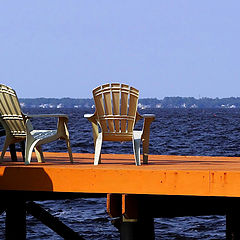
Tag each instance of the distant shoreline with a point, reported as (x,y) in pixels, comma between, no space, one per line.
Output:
(143,103)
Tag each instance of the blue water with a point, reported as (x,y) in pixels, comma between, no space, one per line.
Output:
(209,132)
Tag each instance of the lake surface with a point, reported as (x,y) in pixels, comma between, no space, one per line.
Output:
(197,132)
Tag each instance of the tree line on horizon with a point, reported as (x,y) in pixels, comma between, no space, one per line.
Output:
(167,102)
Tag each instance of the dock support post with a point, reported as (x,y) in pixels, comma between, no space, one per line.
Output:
(15,227)
(137,229)
(131,220)
(136,222)
(233,223)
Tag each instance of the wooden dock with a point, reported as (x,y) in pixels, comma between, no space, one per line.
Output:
(167,186)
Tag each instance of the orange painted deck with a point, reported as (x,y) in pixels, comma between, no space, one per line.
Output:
(164,175)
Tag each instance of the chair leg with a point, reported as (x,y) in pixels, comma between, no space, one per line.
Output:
(22,145)
(11,144)
(30,144)
(136,150)
(13,153)
(39,154)
(67,139)
(69,149)
(98,147)
(4,150)
(5,146)
(145,150)
(145,138)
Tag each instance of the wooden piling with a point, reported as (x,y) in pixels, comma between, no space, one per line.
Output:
(137,229)
(233,222)
(132,222)
(15,225)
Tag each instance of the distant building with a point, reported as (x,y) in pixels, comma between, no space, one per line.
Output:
(194,106)
(59,105)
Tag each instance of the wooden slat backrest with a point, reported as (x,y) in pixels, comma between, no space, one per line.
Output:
(116,107)
(133,102)
(106,89)
(124,105)
(10,111)
(116,104)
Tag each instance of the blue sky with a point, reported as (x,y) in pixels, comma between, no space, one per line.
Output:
(56,48)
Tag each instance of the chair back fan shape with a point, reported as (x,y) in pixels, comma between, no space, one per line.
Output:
(10,110)
(116,107)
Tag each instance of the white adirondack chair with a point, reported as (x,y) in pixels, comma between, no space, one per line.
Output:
(116,114)
(18,127)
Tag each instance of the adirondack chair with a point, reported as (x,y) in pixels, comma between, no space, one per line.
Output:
(116,114)
(18,127)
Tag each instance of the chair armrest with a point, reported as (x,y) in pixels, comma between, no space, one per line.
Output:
(62,120)
(91,117)
(148,119)
(88,115)
(148,116)
(46,115)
